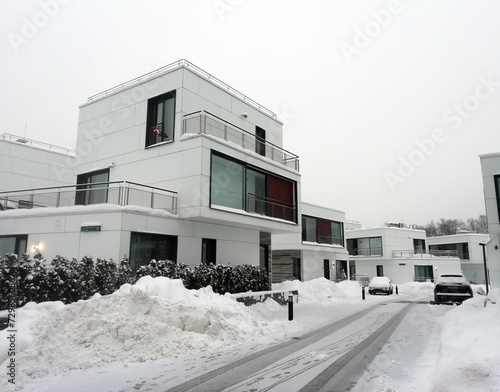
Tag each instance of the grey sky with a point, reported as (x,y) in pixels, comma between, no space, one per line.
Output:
(387,103)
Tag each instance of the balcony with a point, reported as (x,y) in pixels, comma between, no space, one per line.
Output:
(39,145)
(423,253)
(122,193)
(203,122)
(272,208)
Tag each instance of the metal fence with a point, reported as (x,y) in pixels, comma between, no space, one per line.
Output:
(121,193)
(209,124)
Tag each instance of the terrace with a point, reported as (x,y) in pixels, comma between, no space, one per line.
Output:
(122,193)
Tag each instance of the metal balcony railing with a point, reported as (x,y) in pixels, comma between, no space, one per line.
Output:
(34,143)
(268,207)
(366,252)
(207,123)
(122,193)
(197,70)
(424,253)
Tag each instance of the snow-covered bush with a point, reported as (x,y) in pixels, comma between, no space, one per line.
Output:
(23,279)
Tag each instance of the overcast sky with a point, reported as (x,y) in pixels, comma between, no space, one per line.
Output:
(387,103)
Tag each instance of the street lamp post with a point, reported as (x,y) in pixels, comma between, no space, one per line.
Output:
(485,266)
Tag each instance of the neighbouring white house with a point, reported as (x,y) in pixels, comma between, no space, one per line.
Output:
(466,246)
(490,168)
(318,251)
(397,252)
(26,163)
(174,164)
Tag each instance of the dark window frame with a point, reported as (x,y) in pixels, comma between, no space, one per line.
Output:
(260,141)
(321,239)
(496,178)
(266,199)
(172,250)
(156,132)
(19,238)
(84,190)
(208,251)
(352,246)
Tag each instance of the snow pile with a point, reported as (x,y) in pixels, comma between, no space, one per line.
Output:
(156,318)
(469,356)
(417,287)
(320,289)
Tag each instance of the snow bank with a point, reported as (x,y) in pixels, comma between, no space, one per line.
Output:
(469,356)
(417,287)
(320,289)
(155,318)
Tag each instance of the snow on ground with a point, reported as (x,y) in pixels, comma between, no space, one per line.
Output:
(158,330)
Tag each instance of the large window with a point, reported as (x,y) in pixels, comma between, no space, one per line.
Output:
(161,119)
(88,191)
(424,273)
(460,250)
(145,247)
(13,244)
(237,185)
(322,231)
(368,246)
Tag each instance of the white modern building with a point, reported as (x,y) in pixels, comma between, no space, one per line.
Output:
(466,246)
(318,251)
(172,165)
(397,252)
(490,167)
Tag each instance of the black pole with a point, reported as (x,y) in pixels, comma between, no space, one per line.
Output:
(362,291)
(485,267)
(290,307)
(397,290)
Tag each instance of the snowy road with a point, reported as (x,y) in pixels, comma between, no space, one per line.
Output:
(332,358)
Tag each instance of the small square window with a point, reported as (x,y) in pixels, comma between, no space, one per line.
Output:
(161,119)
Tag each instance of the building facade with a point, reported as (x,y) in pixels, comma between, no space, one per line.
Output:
(466,246)
(490,168)
(397,252)
(172,165)
(317,251)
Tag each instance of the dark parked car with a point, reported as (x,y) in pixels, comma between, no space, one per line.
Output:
(380,284)
(451,288)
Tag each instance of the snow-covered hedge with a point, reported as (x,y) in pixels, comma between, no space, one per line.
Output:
(24,280)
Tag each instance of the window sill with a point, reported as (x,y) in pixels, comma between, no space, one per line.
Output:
(159,144)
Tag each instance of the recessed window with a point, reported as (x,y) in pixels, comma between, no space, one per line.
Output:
(161,119)
(322,231)
(236,185)
(208,251)
(92,188)
(145,247)
(13,244)
(368,246)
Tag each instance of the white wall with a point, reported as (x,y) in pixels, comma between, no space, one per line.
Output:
(490,166)
(24,166)
(58,232)
(402,270)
